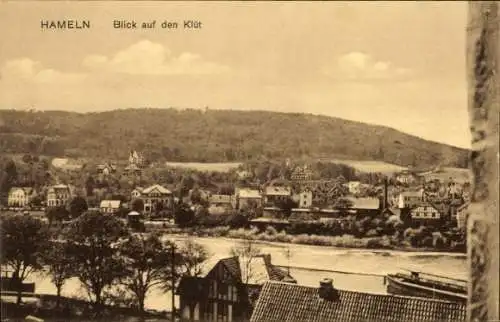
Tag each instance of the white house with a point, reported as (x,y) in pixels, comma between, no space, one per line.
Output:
(275,194)
(58,195)
(425,211)
(410,199)
(246,197)
(155,197)
(304,199)
(110,206)
(136,193)
(19,196)
(354,187)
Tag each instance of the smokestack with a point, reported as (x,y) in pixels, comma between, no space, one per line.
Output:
(327,291)
(385,194)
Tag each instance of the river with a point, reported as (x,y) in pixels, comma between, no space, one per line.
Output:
(366,268)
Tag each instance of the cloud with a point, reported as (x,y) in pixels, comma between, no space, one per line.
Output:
(29,70)
(358,66)
(149,58)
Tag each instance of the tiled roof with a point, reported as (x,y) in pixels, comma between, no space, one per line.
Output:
(291,302)
(233,266)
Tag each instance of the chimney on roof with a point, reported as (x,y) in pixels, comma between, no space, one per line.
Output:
(327,291)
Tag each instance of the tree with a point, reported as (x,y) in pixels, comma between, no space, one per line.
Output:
(92,241)
(10,175)
(58,265)
(27,158)
(287,205)
(288,253)
(183,215)
(147,262)
(23,239)
(77,206)
(192,255)
(90,185)
(246,251)
(138,205)
(57,214)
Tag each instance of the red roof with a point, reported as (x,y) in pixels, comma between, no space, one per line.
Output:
(291,302)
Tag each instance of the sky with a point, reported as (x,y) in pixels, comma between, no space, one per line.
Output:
(398,64)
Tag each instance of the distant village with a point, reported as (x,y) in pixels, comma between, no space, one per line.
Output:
(295,194)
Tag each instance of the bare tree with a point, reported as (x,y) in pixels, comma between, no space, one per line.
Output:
(146,262)
(22,240)
(192,257)
(246,251)
(58,265)
(288,253)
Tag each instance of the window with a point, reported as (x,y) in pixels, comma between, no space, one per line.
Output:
(223,290)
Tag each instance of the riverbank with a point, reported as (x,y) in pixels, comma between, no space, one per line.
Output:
(378,243)
(45,306)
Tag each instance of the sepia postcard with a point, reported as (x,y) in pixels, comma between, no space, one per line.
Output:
(248,161)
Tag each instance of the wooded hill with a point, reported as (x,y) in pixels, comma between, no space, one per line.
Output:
(215,136)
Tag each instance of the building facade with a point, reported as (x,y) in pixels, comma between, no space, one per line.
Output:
(274,195)
(155,198)
(110,207)
(58,195)
(425,212)
(248,197)
(410,199)
(19,196)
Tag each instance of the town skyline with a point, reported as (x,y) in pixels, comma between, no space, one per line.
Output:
(370,71)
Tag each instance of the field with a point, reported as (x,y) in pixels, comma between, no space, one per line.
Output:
(216,167)
(459,175)
(371,166)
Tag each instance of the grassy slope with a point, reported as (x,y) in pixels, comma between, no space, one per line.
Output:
(215,136)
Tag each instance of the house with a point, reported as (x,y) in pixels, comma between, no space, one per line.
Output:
(136,193)
(110,207)
(462,214)
(106,168)
(229,290)
(354,187)
(286,302)
(136,159)
(244,174)
(301,174)
(364,206)
(155,198)
(220,204)
(275,194)
(19,196)
(406,178)
(248,197)
(409,199)
(58,195)
(425,212)
(304,199)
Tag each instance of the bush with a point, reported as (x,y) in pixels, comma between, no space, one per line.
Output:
(270,230)
(236,220)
